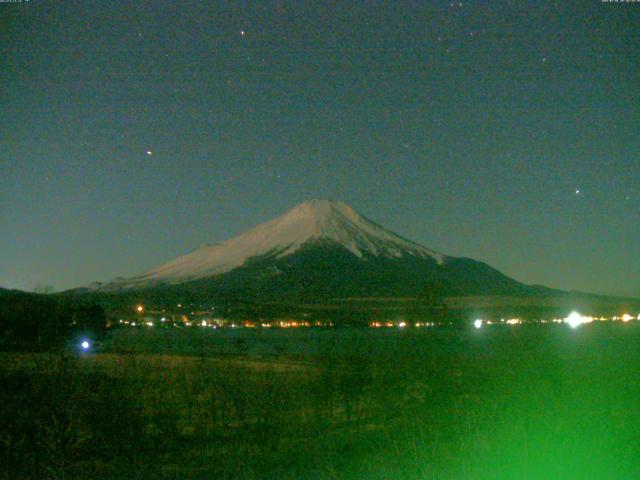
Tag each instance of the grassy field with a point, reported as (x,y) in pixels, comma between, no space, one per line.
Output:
(504,402)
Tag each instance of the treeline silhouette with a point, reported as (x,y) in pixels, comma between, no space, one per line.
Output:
(37,322)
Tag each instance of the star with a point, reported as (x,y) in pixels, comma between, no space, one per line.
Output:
(578,191)
(149,152)
(242,33)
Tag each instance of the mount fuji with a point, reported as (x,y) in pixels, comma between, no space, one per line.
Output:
(319,249)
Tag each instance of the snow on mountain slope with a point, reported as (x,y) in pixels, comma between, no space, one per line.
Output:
(308,222)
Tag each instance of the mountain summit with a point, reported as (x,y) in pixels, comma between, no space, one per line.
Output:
(314,221)
(324,248)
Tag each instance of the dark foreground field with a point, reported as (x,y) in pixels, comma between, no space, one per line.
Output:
(503,402)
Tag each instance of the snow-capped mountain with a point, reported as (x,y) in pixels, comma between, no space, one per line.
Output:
(311,221)
(320,247)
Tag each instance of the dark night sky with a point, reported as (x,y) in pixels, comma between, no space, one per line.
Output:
(468,127)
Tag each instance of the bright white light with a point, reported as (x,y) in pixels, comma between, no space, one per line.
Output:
(626,317)
(477,323)
(402,324)
(203,323)
(574,320)
(85,345)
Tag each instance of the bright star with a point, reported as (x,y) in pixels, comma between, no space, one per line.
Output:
(149,152)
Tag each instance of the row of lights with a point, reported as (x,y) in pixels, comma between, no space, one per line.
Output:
(574,320)
(401,324)
(478,323)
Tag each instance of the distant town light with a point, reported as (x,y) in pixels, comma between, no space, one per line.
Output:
(139,309)
(85,345)
(626,317)
(402,324)
(477,323)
